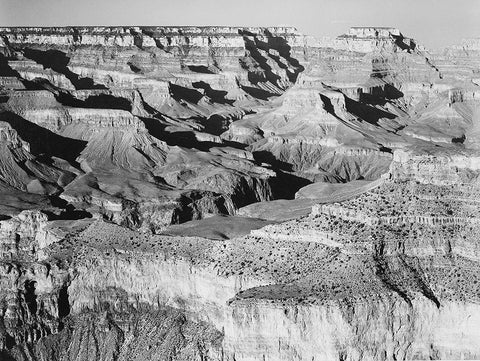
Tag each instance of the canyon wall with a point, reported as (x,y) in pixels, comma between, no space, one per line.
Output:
(237,193)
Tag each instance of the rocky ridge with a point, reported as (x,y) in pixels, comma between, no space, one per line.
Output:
(226,193)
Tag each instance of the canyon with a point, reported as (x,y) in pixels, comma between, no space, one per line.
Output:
(237,193)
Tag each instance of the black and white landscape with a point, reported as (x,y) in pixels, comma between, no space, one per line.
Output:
(238,193)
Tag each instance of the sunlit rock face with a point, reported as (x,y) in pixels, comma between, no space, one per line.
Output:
(226,193)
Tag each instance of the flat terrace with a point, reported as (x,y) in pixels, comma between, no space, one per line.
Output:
(396,199)
(157,30)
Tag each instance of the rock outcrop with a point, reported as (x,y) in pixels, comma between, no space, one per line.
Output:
(224,193)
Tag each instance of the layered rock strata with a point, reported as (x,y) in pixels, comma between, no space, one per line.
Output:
(221,193)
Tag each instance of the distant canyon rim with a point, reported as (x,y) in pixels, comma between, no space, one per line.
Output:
(237,193)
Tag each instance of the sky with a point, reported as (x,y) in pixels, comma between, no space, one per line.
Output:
(433,23)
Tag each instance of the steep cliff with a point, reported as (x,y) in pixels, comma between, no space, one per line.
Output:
(223,193)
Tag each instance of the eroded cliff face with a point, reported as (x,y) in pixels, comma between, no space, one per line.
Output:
(124,106)
(220,193)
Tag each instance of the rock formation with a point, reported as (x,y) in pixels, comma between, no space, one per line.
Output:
(222,193)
